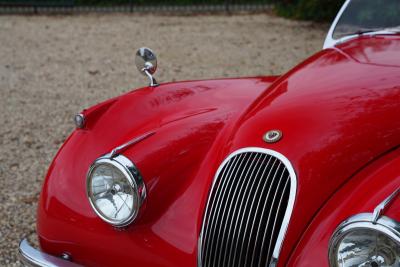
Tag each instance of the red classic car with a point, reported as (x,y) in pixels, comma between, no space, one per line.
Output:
(301,169)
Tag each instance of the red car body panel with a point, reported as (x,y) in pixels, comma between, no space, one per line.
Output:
(378,50)
(361,195)
(337,117)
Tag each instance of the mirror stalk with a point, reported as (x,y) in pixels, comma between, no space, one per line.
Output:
(152,80)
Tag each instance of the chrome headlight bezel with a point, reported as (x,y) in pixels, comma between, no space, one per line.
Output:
(133,176)
(363,221)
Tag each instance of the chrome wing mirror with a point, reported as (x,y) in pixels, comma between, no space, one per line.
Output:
(146,63)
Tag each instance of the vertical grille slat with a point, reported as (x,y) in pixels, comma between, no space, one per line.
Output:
(236,214)
(249,207)
(238,234)
(255,219)
(213,212)
(227,199)
(262,218)
(279,209)
(275,209)
(230,215)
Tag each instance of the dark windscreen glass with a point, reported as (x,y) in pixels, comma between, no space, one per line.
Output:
(368,15)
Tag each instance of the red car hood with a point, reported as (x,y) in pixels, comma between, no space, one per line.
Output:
(336,116)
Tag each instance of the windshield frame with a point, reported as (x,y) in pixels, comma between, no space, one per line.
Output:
(331,42)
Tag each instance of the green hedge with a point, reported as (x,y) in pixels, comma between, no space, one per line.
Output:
(166,2)
(316,10)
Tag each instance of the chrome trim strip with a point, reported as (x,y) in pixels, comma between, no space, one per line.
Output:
(380,209)
(116,151)
(289,209)
(273,228)
(32,257)
(329,41)
(269,216)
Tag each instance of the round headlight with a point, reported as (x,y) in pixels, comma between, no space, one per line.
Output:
(359,242)
(115,190)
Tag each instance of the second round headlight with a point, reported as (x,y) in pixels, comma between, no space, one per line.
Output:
(365,244)
(115,190)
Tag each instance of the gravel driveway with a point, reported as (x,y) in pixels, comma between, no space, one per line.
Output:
(53,67)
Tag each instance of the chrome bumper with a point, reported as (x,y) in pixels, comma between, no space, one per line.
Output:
(34,258)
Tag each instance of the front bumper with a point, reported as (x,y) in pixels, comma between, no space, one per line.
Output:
(33,257)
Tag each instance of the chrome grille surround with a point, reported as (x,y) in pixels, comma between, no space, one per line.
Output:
(214,243)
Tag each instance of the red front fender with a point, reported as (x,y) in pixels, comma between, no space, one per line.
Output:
(360,195)
(191,121)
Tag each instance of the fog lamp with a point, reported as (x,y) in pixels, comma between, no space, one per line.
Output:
(362,243)
(115,190)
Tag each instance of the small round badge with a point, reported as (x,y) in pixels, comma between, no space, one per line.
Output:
(272,136)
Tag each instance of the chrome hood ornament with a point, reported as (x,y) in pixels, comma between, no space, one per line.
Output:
(146,63)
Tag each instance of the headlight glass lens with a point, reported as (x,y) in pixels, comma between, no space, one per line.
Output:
(365,248)
(112,194)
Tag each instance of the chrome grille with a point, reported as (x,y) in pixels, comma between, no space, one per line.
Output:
(248,210)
